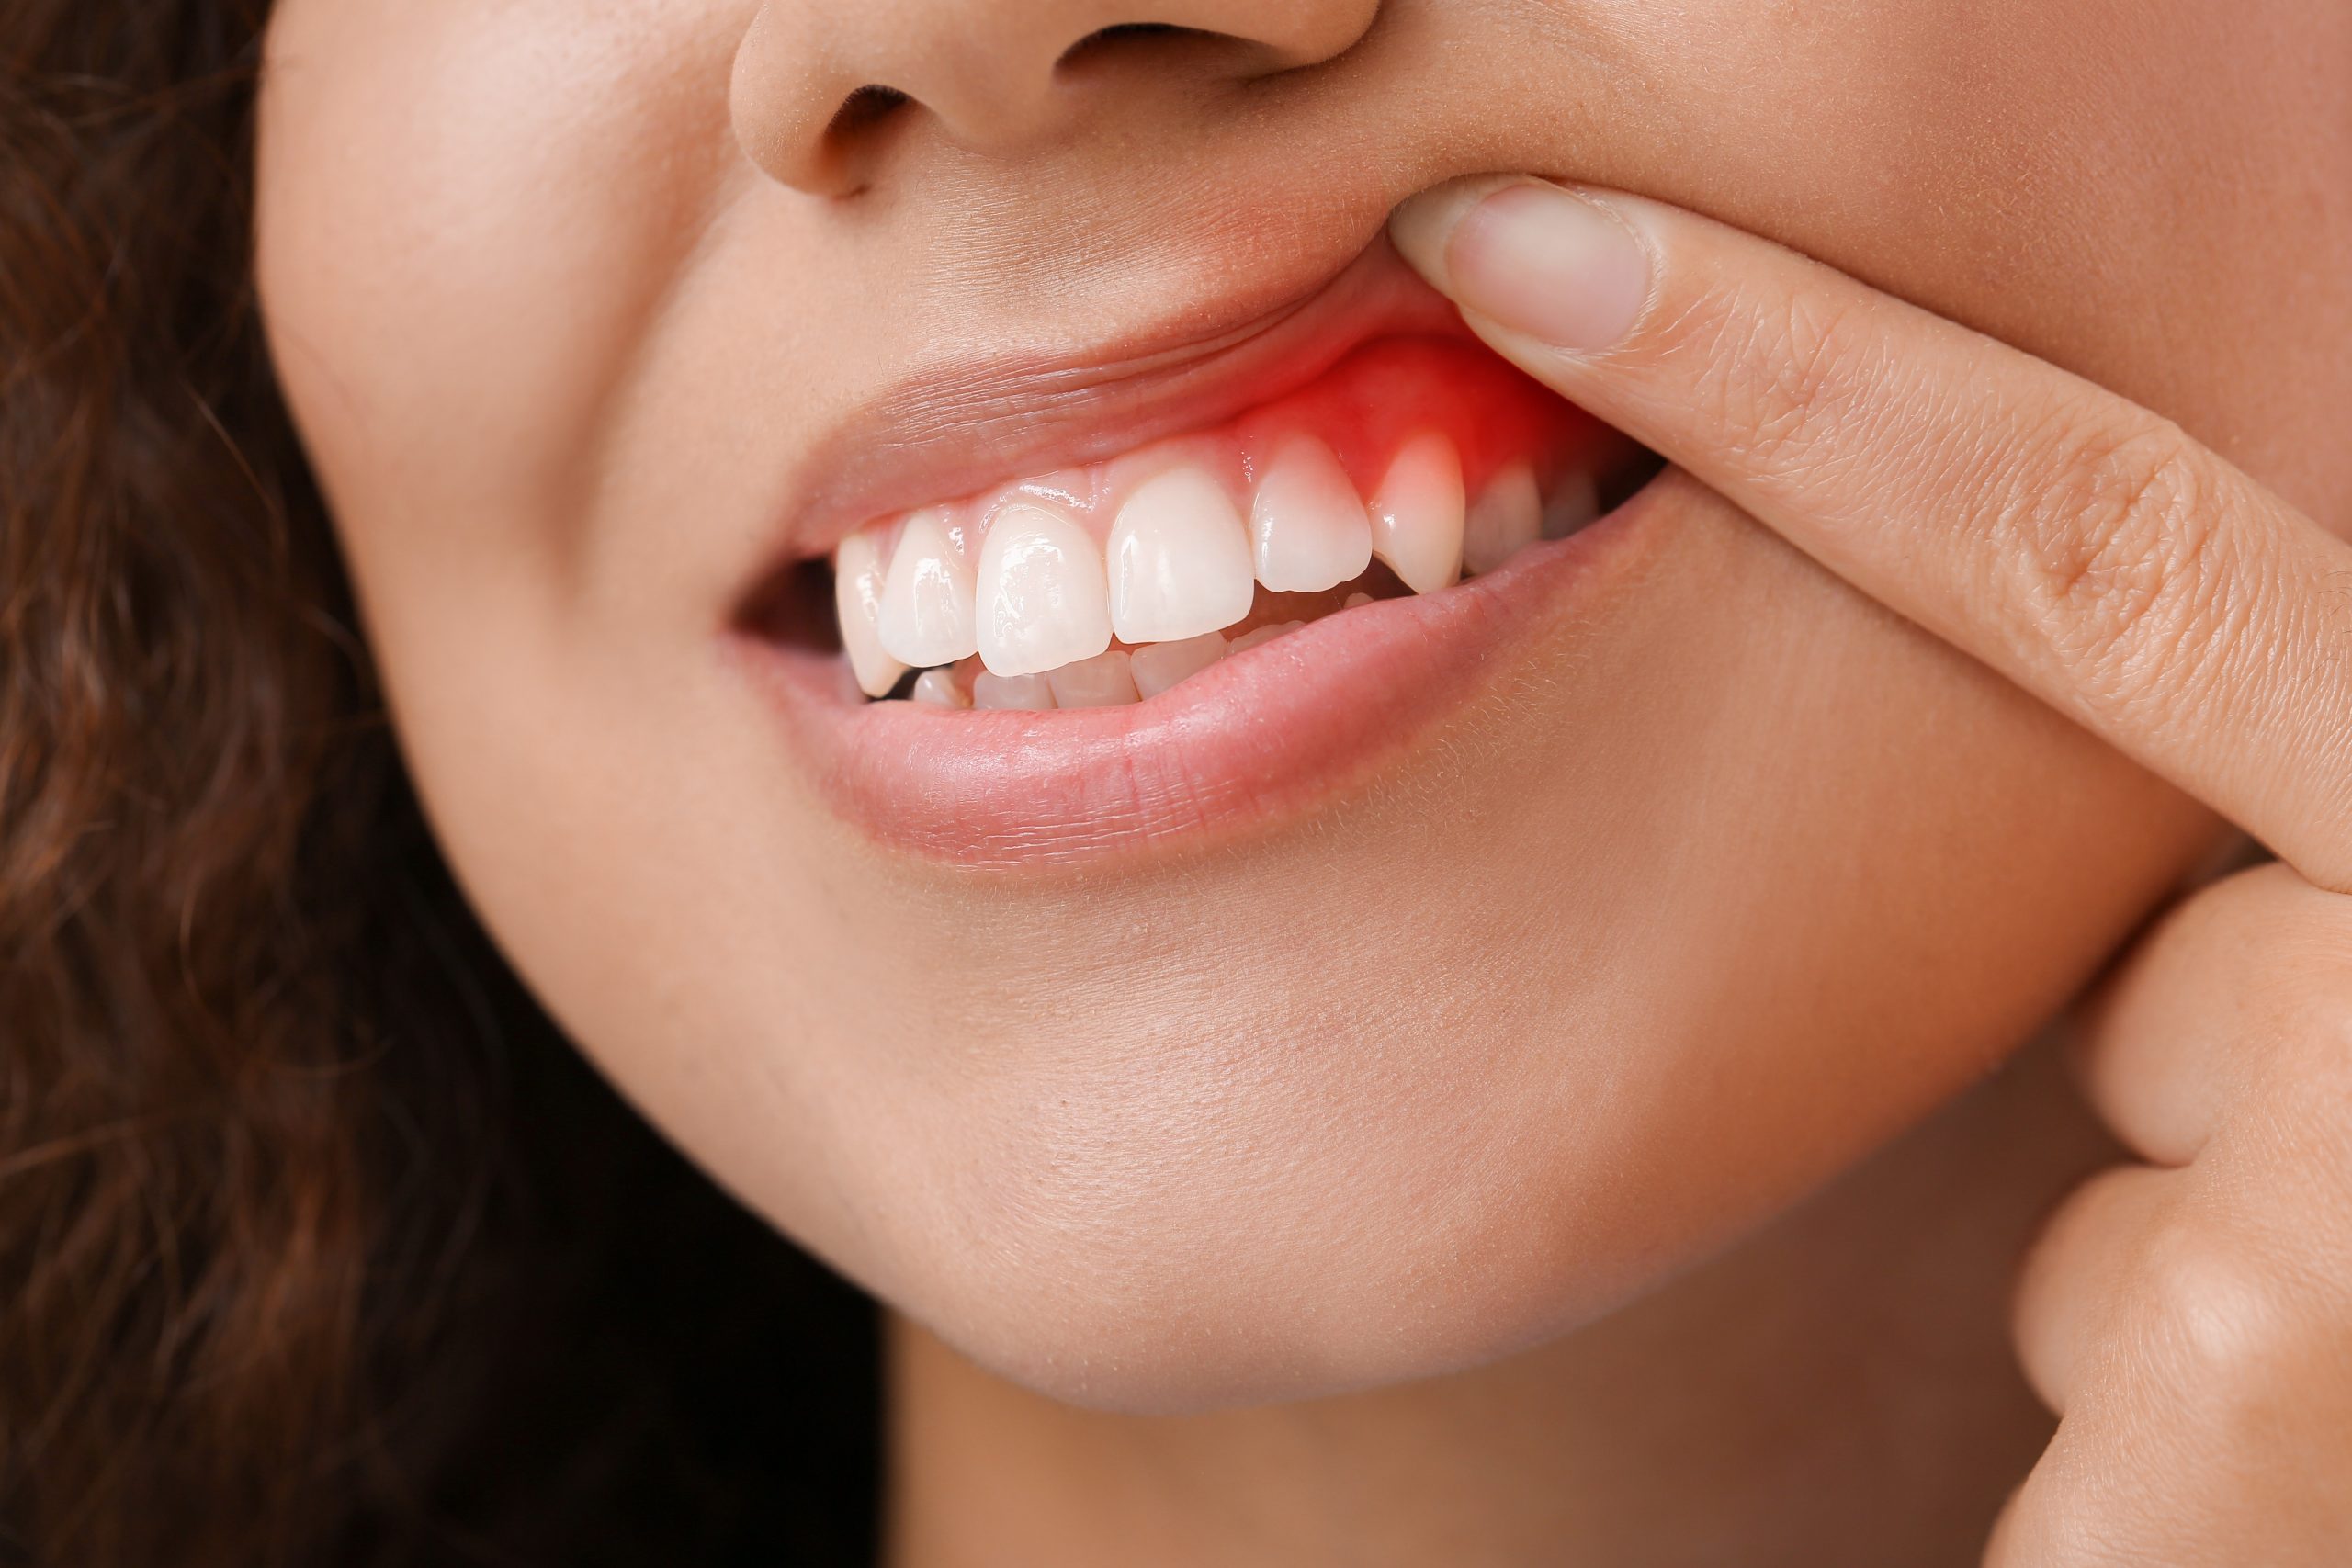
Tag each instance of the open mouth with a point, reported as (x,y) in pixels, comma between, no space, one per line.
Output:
(1209,623)
(1411,462)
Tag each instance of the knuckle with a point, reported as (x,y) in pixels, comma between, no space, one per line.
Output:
(2119,562)
(2217,1320)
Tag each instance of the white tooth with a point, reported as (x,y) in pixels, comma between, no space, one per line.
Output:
(1102,681)
(1355,600)
(1505,520)
(938,688)
(1416,514)
(1180,561)
(926,616)
(1031,691)
(1307,527)
(857,600)
(1040,592)
(1575,503)
(1249,640)
(1159,665)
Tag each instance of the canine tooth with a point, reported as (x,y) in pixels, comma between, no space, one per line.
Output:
(858,601)
(1416,514)
(938,688)
(1307,527)
(1158,665)
(1575,503)
(1249,640)
(1031,691)
(926,616)
(1178,560)
(1040,594)
(1505,518)
(1102,681)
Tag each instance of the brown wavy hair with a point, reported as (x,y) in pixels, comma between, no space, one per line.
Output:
(317,1244)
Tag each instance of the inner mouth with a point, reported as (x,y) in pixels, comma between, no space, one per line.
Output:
(1411,463)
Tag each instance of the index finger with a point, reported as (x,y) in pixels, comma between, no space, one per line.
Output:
(2086,547)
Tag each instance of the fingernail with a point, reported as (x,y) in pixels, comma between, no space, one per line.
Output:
(1535,258)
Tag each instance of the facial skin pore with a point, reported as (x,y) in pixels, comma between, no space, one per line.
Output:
(1715,889)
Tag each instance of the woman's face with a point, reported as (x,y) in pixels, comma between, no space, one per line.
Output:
(1431,983)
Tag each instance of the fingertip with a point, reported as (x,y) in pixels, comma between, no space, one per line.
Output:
(1423,224)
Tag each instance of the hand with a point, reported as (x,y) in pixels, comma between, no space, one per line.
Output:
(2190,1318)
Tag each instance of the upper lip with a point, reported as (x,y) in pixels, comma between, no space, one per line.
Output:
(951,429)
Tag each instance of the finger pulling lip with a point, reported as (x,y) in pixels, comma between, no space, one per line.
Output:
(1271,735)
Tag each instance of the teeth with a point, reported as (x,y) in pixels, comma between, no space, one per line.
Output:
(1575,503)
(857,600)
(926,616)
(1040,594)
(938,688)
(1249,640)
(1416,514)
(1307,528)
(1031,691)
(1042,603)
(1506,519)
(1180,562)
(1102,681)
(1159,665)
(1356,601)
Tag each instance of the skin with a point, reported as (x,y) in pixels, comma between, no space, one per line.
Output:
(2188,1312)
(566,297)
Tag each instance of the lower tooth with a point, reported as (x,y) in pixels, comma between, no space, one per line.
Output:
(1159,665)
(1264,635)
(938,688)
(1356,601)
(1029,692)
(1575,503)
(1102,681)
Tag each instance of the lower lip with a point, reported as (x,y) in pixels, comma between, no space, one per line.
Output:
(1271,736)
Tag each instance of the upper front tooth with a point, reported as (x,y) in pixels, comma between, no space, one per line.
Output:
(1180,562)
(1505,519)
(1307,526)
(1040,592)
(926,616)
(857,600)
(1416,514)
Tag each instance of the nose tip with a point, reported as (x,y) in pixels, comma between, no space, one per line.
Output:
(818,85)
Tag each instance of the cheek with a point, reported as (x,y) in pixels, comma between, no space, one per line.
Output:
(468,213)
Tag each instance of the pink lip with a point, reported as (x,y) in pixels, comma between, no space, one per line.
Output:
(1265,736)
(954,429)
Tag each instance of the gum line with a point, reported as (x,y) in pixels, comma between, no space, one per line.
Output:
(1431,456)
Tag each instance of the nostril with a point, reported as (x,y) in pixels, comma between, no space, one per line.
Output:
(1124,30)
(1105,43)
(865,109)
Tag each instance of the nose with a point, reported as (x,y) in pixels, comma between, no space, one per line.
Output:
(819,84)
